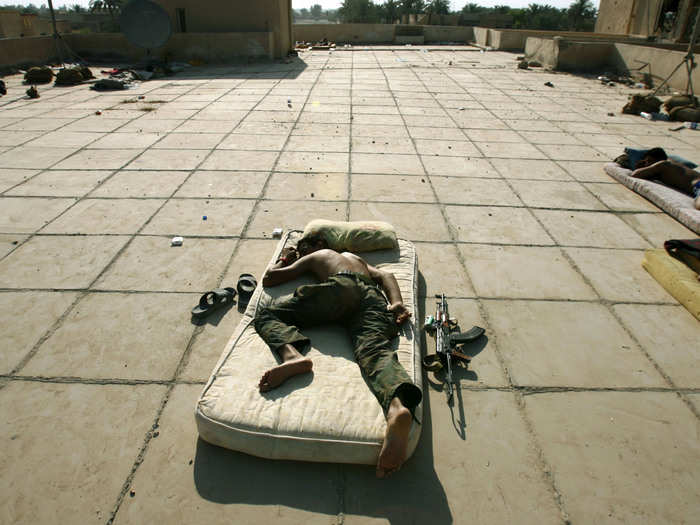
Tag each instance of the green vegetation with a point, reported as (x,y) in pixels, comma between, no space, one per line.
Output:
(579,16)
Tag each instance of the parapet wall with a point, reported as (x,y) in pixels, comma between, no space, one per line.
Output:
(594,56)
(27,50)
(515,39)
(377,33)
(209,47)
(344,33)
(661,63)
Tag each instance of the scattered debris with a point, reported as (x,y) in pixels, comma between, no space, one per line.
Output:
(38,75)
(639,102)
(176,241)
(277,233)
(655,116)
(32,92)
(549,84)
(71,76)
(679,101)
(108,84)
(323,44)
(685,114)
(534,63)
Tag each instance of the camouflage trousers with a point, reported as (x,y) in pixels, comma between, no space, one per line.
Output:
(354,301)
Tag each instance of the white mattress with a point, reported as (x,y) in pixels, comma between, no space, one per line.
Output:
(327,416)
(676,204)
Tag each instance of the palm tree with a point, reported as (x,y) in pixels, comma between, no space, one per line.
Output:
(112,6)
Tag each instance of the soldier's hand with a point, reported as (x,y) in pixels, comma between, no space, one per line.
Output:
(401,313)
(289,255)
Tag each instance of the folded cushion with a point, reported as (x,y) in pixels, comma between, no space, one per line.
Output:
(678,280)
(358,236)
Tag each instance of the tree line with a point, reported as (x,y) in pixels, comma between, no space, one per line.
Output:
(579,16)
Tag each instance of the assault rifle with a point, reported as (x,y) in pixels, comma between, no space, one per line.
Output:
(446,341)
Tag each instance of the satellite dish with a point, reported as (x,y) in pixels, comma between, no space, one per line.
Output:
(145,24)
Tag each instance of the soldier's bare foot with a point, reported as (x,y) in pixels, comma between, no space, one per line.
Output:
(393,454)
(278,375)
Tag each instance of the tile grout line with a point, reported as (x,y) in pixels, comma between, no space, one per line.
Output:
(49,168)
(181,365)
(166,397)
(608,305)
(526,390)
(184,359)
(81,293)
(545,468)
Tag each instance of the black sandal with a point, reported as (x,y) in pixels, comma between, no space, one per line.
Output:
(212,301)
(246,286)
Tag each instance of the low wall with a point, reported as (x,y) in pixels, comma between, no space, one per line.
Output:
(377,33)
(345,33)
(482,36)
(209,47)
(584,56)
(543,50)
(515,39)
(570,55)
(461,34)
(661,63)
(27,50)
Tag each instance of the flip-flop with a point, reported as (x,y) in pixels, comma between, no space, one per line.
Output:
(246,286)
(212,301)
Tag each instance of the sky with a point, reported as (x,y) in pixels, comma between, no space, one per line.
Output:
(332,4)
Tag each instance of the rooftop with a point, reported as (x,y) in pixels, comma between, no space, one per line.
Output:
(583,405)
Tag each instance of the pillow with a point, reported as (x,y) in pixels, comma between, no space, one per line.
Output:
(358,236)
(635,154)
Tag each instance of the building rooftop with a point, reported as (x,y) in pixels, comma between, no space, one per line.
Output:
(583,406)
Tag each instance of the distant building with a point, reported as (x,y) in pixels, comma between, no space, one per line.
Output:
(670,20)
(14,24)
(234,16)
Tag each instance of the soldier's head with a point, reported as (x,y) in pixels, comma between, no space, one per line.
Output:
(652,156)
(310,244)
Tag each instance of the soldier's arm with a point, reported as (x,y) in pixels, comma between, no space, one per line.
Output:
(391,287)
(278,273)
(651,172)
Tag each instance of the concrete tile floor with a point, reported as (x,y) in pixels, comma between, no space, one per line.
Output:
(583,405)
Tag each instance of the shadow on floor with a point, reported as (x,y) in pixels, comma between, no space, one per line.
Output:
(412,495)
